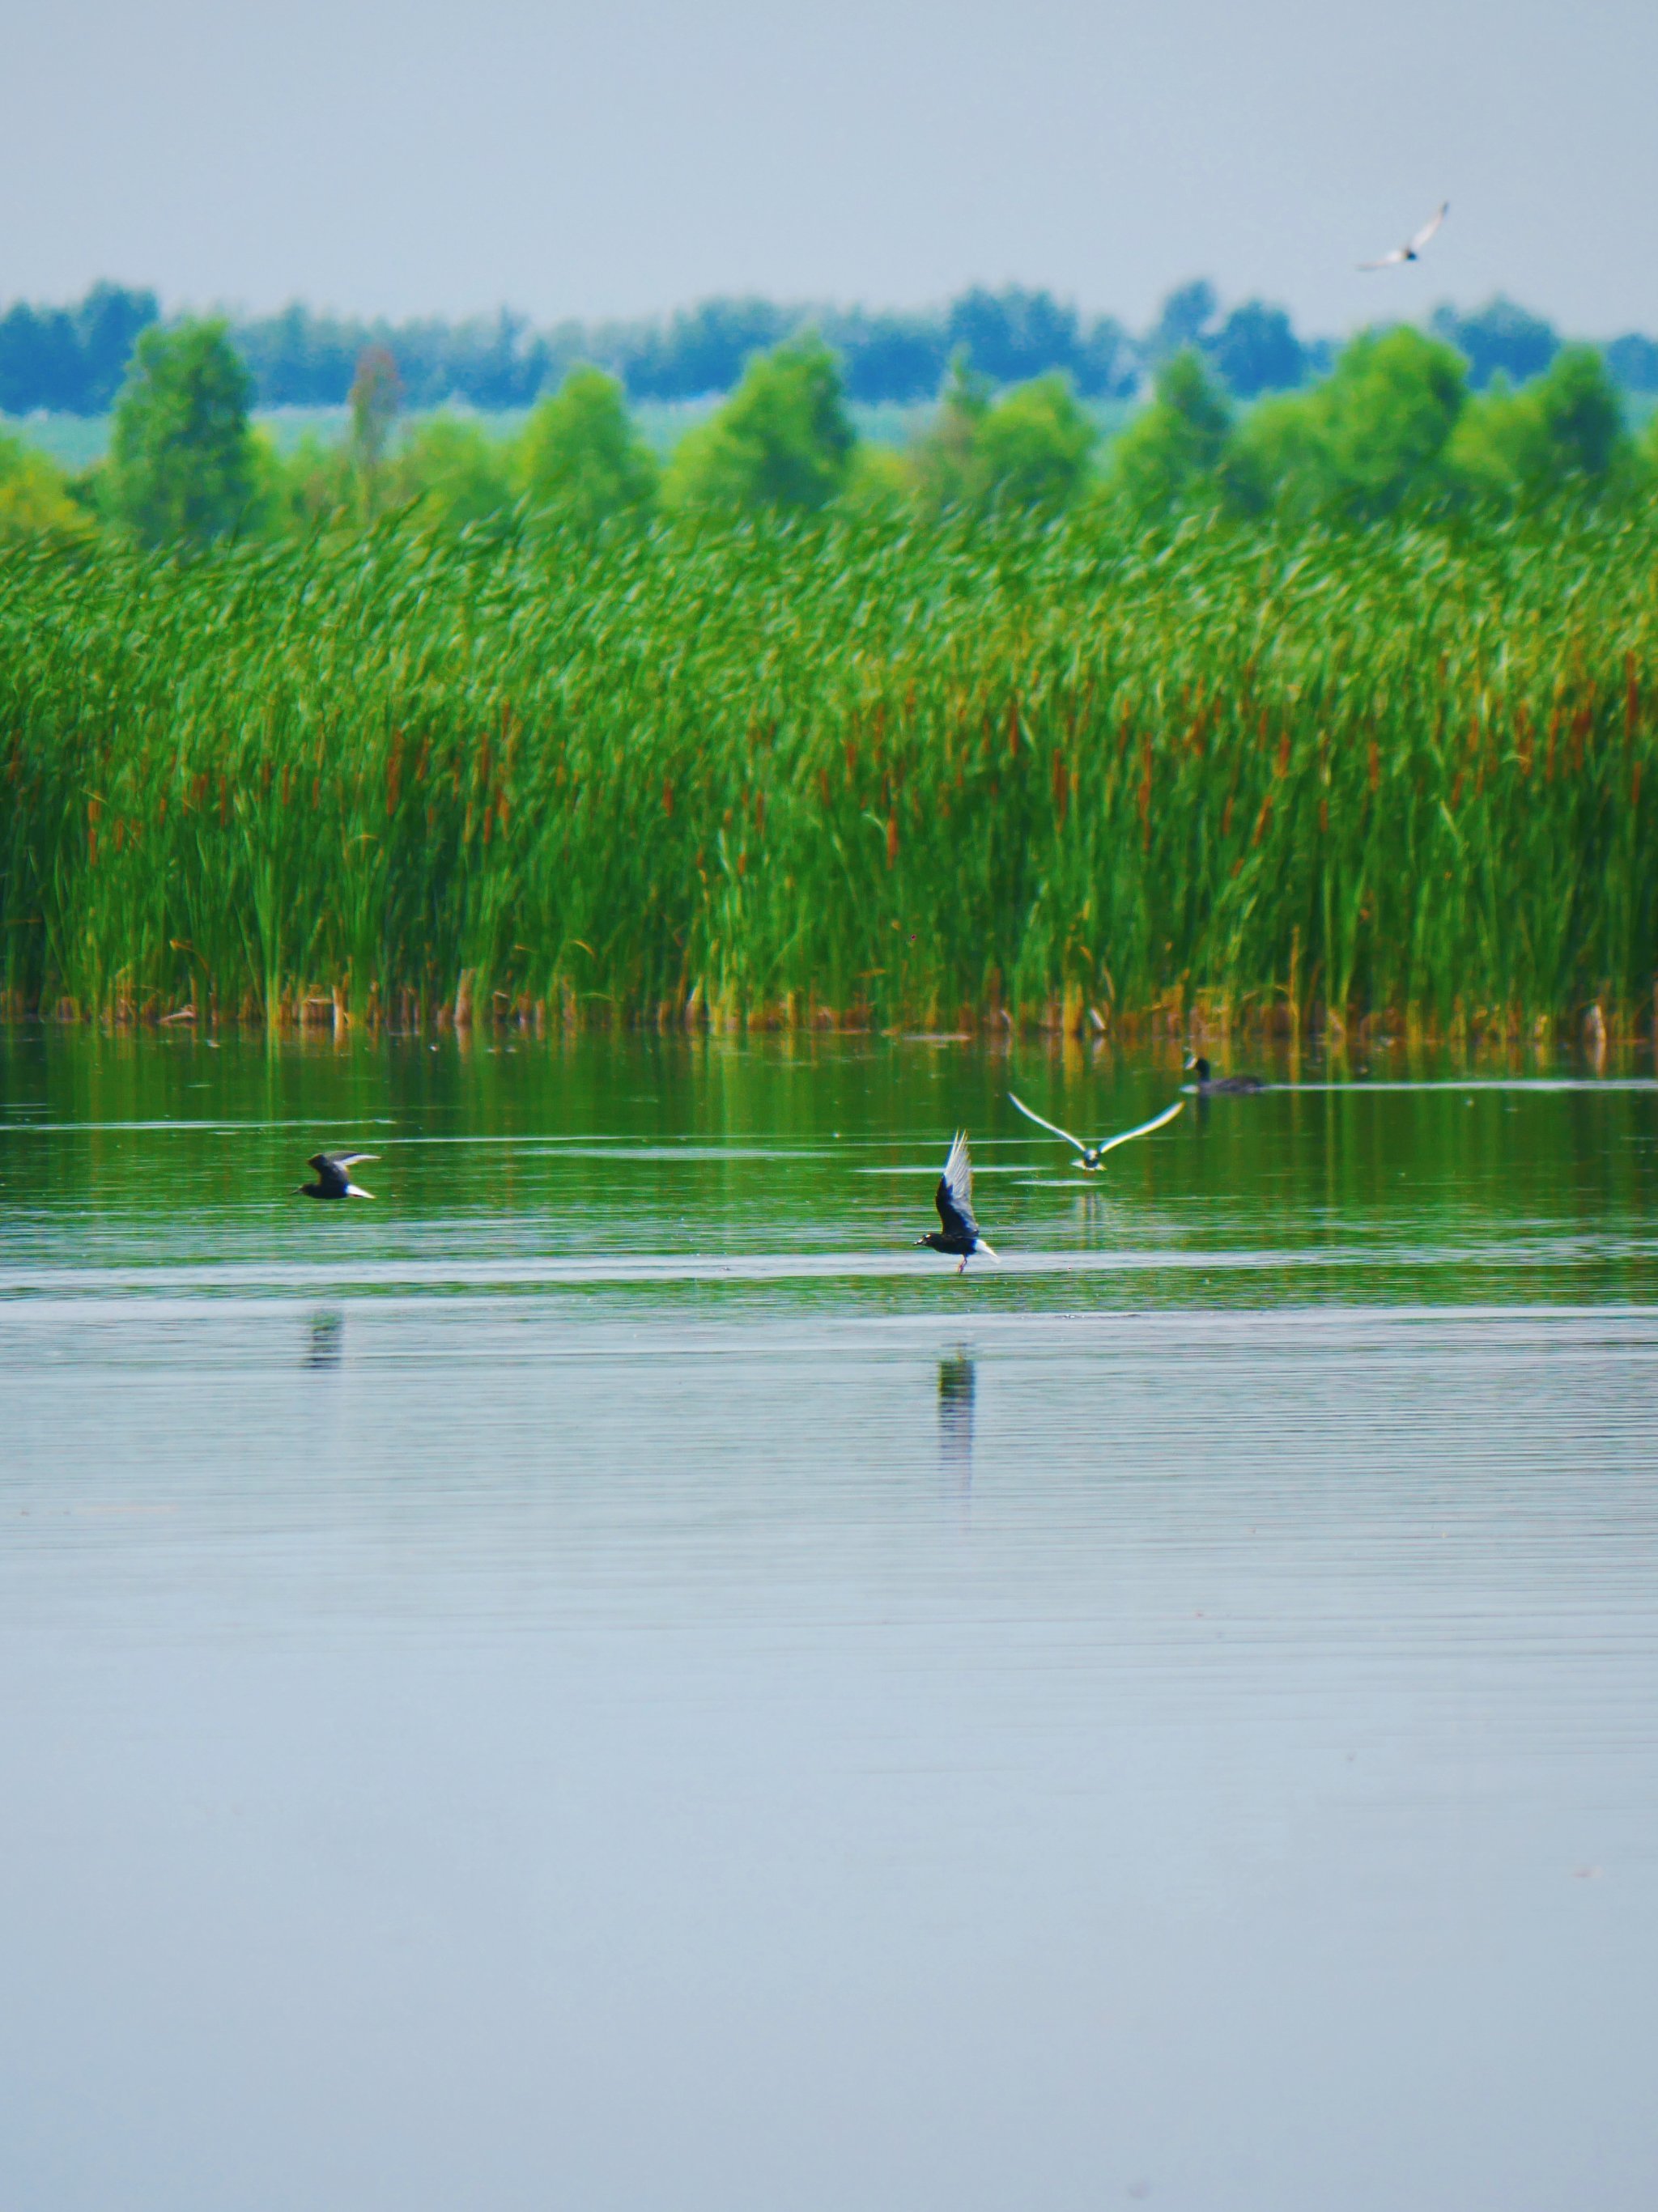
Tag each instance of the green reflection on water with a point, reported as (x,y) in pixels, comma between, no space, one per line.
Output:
(799,1170)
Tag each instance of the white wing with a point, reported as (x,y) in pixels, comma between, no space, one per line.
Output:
(1052,1127)
(1387,261)
(353,1159)
(959,1174)
(1430,226)
(1109,1143)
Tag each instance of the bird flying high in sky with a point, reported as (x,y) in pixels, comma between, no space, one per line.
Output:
(1411,250)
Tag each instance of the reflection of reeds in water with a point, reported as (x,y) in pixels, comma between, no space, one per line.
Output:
(324,1342)
(957,1380)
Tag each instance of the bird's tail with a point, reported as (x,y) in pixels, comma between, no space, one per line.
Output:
(355,1190)
(982,1247)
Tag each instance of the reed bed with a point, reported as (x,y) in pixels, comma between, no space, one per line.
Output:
(852,771)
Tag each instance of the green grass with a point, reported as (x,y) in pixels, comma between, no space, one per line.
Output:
(857,770)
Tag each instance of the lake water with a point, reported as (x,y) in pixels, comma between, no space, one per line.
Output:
(608,1680)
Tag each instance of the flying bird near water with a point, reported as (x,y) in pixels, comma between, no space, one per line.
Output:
(954,1200)
(1089,1158)
(1411,250)
(333,1175)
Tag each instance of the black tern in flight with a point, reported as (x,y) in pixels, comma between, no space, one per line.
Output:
(954,1200)
(333,1177)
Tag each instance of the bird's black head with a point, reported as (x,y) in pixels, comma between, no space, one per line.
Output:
(1198,1065)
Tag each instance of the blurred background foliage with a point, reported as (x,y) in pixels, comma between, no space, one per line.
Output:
(1480,414)
(72,360)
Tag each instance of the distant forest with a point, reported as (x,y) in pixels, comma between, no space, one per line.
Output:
(71,359)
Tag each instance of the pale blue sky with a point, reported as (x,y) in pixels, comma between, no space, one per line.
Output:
(626,158)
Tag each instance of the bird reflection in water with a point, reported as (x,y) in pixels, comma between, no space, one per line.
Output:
(324,1342)
(957,1379)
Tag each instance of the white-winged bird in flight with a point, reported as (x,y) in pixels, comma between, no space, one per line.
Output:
(1411,250)
(954,1200)
(333,1175)
(1090,1156)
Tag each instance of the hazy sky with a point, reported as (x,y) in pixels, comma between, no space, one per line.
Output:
(597,159)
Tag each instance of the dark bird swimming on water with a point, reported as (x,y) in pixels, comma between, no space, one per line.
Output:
(1208,1086)
(333,1175)
(1091,1156)
(953,1198)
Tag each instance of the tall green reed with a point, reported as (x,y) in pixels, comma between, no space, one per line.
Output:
(851,770)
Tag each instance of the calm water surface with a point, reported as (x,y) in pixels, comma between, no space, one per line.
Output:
(607,1680)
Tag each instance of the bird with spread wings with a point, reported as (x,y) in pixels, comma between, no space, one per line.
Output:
(1090,1158)
(953,1198)
(334,1176)
(1411,250)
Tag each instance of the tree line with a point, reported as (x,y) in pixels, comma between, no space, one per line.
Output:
(1396,425)
(72,359)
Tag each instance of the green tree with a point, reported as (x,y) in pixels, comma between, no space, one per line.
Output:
(34,494)
(1256,349)
(1174,450)
(1277,460)
(457,472)
(1386,412)
(1501,340)
(945,455)
(1561,435)
(376,394)
(783,440)
(580,458)
(1374,435)
(1029,451)
(1184,321)
(183,467)
(1582,417)
(1032,449)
